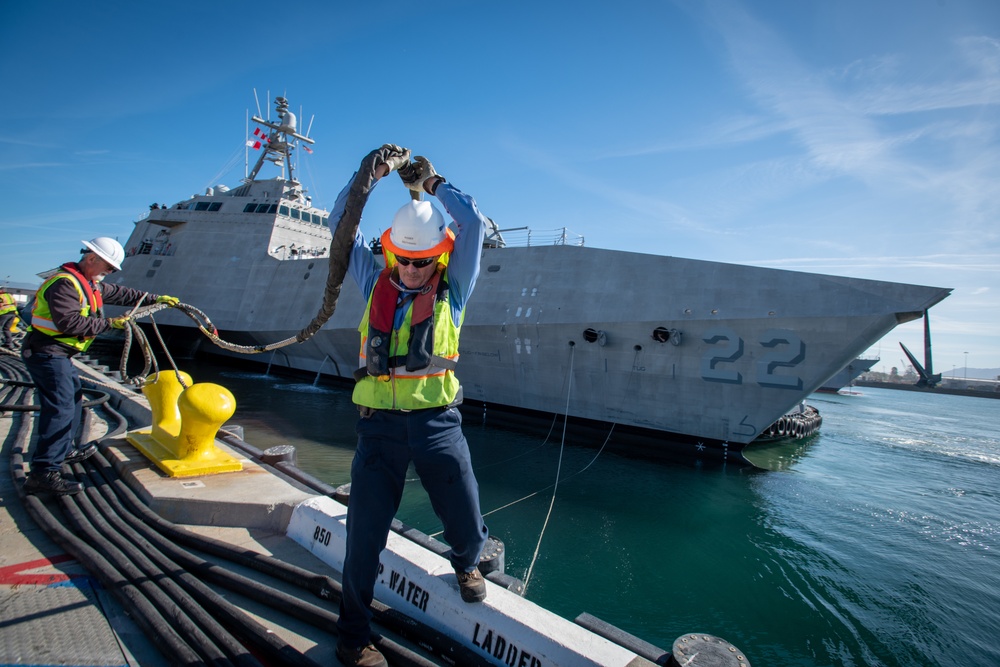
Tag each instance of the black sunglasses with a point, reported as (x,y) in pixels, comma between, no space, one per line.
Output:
(419,263)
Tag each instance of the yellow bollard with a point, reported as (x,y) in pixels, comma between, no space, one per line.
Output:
(181,440)
(203,408)
(162,391)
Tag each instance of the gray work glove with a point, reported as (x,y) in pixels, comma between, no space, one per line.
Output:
(392,156)
(418,173)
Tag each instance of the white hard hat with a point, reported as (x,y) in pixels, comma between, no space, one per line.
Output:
(418,230)
(108,249)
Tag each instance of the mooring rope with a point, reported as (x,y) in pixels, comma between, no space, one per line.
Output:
(133,332)
(522,454)
(567,477)
(555,486)
(544,488)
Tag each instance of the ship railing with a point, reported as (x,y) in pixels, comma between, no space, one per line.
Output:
(521,237)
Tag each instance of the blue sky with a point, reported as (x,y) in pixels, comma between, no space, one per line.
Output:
(855,138)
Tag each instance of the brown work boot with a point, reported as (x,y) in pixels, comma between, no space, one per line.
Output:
(51,482)
(366,656)
(472,585)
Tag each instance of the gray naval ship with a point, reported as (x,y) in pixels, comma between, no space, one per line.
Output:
(694,357)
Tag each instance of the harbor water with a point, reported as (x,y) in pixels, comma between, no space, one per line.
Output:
(874,543)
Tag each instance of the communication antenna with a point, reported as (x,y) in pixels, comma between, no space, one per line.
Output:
(257,101)
(246,143)
(311,119)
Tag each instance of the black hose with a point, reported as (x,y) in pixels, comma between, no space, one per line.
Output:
(132,600)
(156,527)
(164,534)
(157,588)
(286,471)
(135,590)
(173,558)
(102,398)
(320,585)
(133,553)
(125,523)
(164,554)
(162,571)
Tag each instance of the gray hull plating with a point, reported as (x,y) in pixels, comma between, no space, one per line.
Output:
(747,343)
(847,375)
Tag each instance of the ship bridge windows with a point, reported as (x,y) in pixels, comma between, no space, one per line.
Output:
(267,208)
(260,208)
(304,216)
(208,206)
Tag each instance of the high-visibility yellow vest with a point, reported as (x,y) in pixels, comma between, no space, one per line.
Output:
(90,304)
(429,387)
(7,303)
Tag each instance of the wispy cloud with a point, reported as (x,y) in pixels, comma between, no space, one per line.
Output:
(584,180)
(957,263)
(33,165)
(881,125)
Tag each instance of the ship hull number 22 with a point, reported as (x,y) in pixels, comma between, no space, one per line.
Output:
(783,349)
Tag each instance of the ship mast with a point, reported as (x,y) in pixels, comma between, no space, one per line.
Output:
(278,147)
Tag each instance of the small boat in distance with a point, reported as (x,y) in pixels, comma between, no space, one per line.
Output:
(701,356)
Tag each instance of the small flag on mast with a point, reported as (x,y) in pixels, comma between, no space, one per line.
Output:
(307,149)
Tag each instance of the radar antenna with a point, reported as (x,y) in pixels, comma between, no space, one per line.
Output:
(256,101)
(277,148)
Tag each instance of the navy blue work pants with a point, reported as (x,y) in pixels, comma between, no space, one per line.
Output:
(6,335)
(60,397)
(387,442)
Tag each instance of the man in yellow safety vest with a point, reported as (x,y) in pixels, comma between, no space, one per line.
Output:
(8,315)
(406,390)
(67,316)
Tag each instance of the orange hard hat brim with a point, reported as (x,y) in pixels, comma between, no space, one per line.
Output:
(446,245)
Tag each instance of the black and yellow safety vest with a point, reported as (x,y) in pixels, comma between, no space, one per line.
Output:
(91,304)
(7,303)
(416,364)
